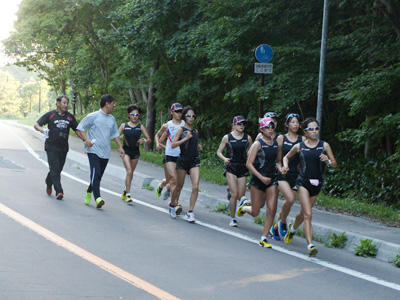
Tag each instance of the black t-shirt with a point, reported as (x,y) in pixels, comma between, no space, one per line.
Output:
(58,126)
(131,136)
(236,149)
(189,149)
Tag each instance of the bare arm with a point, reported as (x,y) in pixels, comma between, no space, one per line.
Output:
(38,127)
(121,128)
(147,138)
(118,141)
(83,137)
(292,152)
(328,158)
(221,148)
(177,142)
(279,157)
(161,136)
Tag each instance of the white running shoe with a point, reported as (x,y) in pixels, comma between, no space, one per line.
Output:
(233,223)
(189,216)
(172,212)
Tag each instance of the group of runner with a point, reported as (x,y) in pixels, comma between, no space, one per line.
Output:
(290,163)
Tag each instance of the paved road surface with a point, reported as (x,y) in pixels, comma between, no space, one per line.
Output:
(65,250)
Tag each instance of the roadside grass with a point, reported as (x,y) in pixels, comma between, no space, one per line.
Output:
(336,240)
(378,212)
(222,208)
(365,249)
(395,260)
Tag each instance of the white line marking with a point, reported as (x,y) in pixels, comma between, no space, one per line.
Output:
(320,262)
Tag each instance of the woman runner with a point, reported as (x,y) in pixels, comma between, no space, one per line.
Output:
(168,131)
(237,143)
(287,183)
(262,163)
(188,162)
(309,181)
(132,130)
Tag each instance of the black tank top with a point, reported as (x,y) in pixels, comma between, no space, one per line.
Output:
(189,149)
(131,136)
(311,167)
(236,150)
(265,162)
(294,160)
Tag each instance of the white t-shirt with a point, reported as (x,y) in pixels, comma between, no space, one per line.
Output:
(172,129)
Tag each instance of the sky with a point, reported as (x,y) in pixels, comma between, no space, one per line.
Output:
(8,12)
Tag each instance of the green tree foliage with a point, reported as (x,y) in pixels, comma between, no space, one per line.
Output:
(156,52)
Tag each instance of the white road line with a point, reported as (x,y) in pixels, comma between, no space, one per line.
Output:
(320,262)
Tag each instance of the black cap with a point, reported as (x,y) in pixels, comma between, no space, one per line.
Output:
(238,119)
(176,106)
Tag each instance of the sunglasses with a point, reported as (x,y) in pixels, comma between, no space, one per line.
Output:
(292,116)
(269,126)
(135,115)
(191,116)
(241,124)
(311,128)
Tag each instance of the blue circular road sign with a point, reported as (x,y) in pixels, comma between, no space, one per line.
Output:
(263,53)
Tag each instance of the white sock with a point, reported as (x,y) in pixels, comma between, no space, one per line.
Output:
(292,229)
(128,194)
(310,245)
(263,237)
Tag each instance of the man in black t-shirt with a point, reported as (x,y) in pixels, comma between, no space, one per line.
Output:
(58,121)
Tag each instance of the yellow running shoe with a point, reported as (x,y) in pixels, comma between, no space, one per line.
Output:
(264,243)
(159,190)
(123,195)
(128,199)
(289,235)
(243,202)
(178,209)
(99,202)
(88,197)
(312,251)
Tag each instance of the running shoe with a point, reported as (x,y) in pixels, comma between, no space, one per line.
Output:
(59,196)
(48,190)
(99,202)
(312,251)
(233,223)
(282,227)
(264,243)
(88,197)
(172,211)
(166,195)
(123,195)
(128,199)
(178,209)
(275,233)
(189,216)
(243,202)
(159,190)
(289,235)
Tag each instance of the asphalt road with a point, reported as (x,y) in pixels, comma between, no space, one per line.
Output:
(53,249)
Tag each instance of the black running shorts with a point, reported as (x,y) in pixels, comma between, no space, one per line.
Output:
(257,183)
(237,169)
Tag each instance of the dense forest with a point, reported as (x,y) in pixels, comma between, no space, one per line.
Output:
(156,52)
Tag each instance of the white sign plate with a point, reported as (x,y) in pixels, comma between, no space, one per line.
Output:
(263,68)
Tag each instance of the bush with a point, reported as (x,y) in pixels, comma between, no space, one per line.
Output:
(366,249)
(396,260)
(336,240)
(222,208)
(373,181)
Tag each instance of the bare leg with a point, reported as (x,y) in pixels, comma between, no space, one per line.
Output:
(171,176)
(271,208)
(195,178)
(179,184)
(257,201)
(290,197)
(233,187)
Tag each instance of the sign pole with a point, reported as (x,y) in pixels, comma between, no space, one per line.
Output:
(263,55)
(260,107)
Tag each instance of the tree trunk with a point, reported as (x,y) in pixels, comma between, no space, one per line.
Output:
(367,144)
(131,95)
(388,140)
(151,112)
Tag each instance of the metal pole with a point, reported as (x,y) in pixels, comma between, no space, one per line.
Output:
(260,107)
(322,61)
